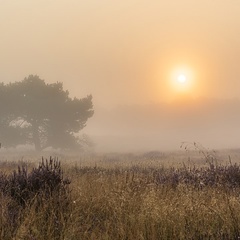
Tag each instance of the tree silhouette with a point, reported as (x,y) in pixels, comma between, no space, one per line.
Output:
(42,114)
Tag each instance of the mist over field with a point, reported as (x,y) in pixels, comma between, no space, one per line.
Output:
(210,122)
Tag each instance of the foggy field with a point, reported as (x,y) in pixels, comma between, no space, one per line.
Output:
(103,104)
(152,195)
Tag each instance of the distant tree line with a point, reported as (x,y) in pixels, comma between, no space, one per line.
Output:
(34,112)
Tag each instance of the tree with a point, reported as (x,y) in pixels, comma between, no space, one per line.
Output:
(44,114)
(9,132)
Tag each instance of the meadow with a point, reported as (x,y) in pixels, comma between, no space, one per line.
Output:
(154,195)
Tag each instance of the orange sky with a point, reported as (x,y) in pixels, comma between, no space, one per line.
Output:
(123,51)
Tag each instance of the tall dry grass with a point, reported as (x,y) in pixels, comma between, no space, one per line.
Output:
(119,200)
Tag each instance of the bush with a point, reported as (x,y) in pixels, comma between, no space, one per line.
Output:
(43,188)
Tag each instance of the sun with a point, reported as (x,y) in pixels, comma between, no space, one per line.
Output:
(176,82)
(182,78)
(181,82)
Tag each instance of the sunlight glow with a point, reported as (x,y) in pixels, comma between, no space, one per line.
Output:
(182,82)
(177,81)
(182,78)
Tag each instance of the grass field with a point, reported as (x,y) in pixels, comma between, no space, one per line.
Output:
(121,196)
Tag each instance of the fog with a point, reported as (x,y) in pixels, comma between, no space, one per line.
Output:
(126,54)
(209,122)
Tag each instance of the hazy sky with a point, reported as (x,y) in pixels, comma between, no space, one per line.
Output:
(124,51)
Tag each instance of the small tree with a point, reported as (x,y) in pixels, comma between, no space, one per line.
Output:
(45,114)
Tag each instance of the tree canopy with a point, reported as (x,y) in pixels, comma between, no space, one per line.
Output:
(42,114)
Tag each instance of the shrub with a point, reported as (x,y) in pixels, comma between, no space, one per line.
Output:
(42,188)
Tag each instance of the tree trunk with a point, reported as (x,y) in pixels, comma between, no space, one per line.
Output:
(36,139)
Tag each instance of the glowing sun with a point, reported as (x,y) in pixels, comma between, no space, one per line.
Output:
(182,81)
(181,78)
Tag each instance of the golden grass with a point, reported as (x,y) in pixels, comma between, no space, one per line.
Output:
(116,197)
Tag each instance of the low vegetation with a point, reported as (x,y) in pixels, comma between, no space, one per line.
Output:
(109,198)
